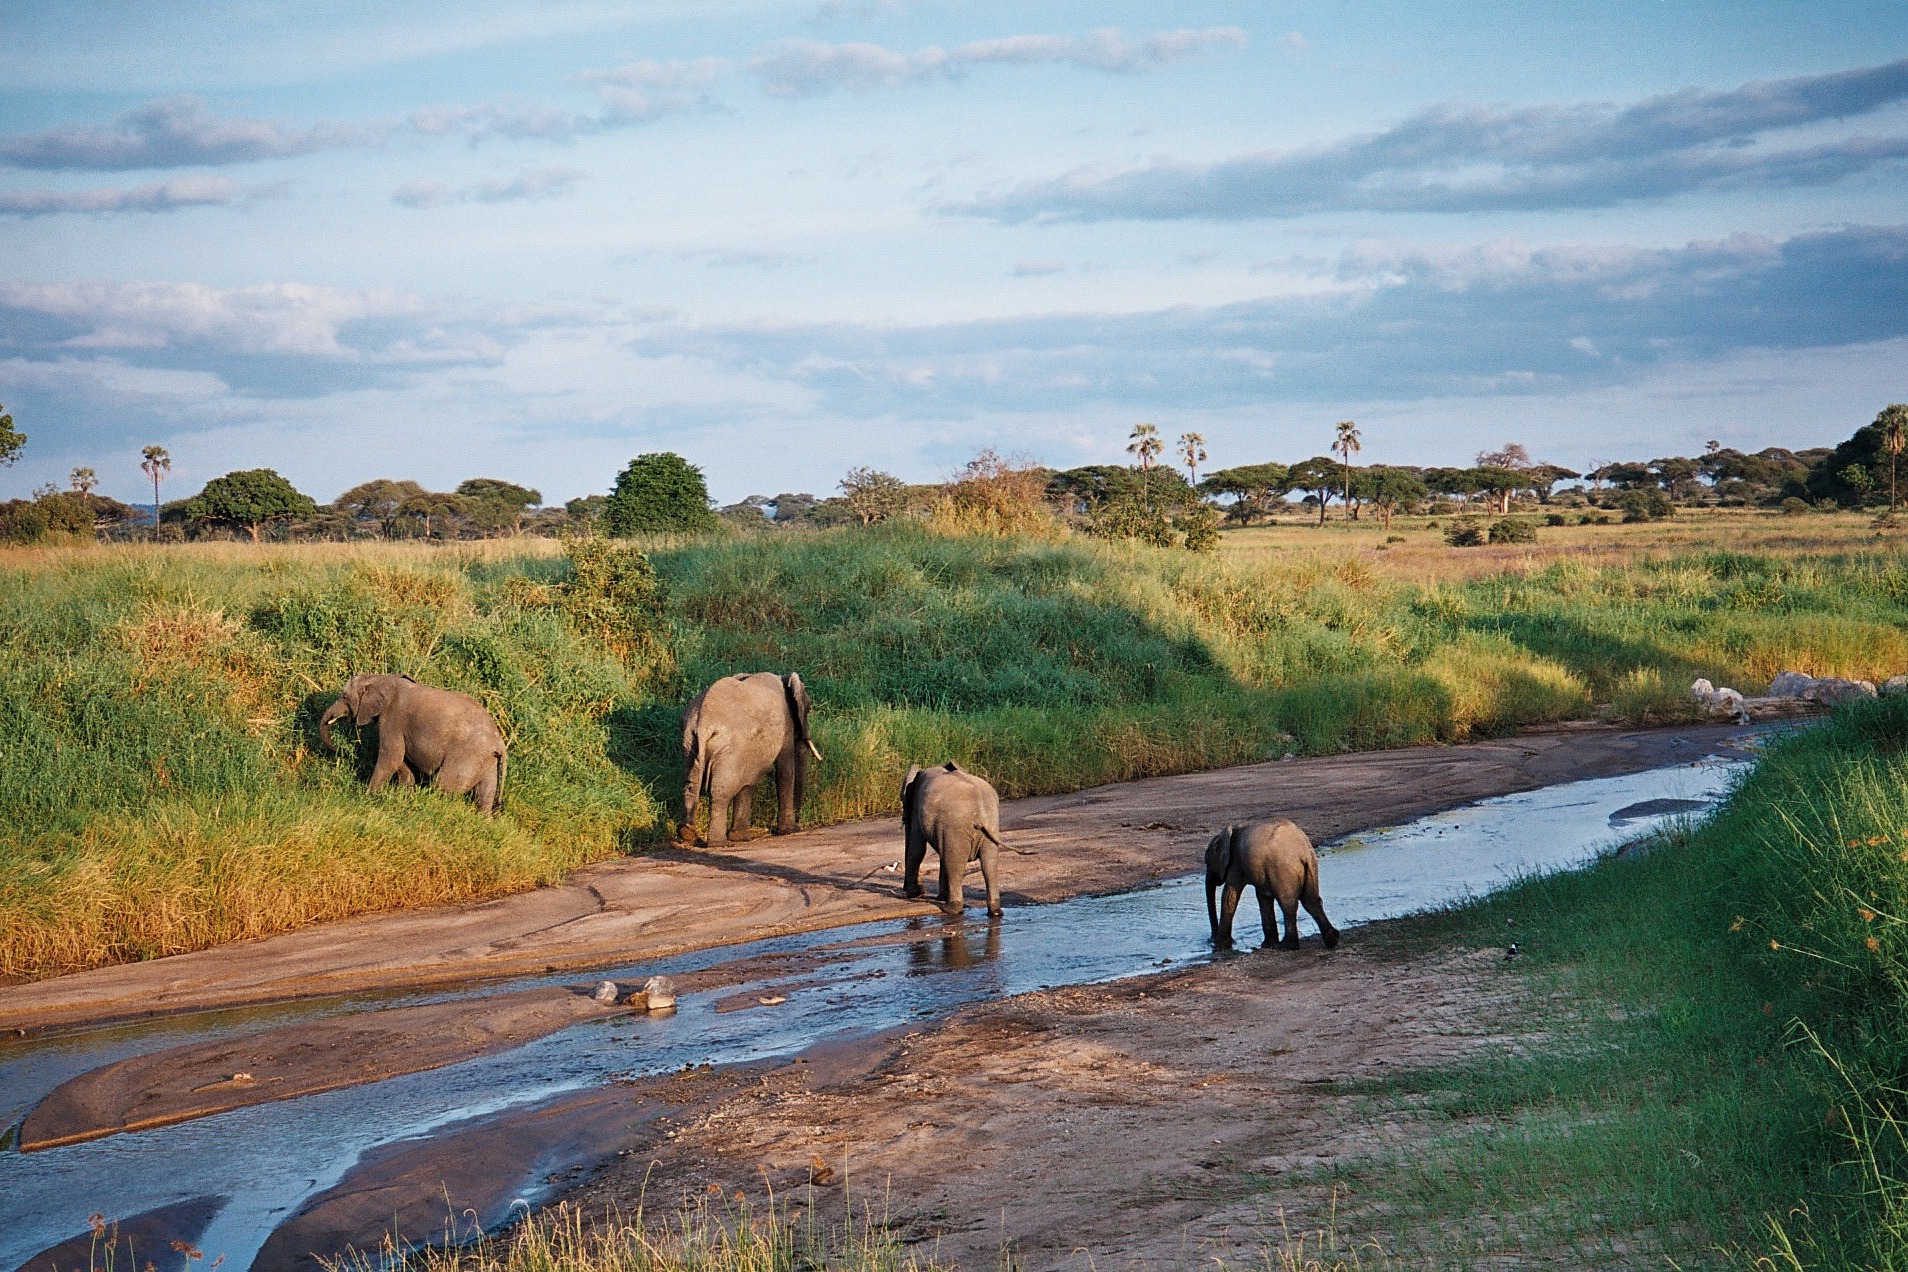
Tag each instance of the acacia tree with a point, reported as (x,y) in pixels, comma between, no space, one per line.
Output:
(660,491)
(1253,487)
(1319,477)
(1192,452)
(252,498)
(496,504)
(1391,488)
(1345,446)
(382,500)
(1144,445)
(12,441)
(430,505)
(156,465)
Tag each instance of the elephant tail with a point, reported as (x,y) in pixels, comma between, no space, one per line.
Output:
(503,763)
(995,840)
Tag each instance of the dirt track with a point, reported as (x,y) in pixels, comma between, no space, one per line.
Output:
(638,908)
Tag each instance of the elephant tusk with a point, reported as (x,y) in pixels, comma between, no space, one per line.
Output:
(812,751)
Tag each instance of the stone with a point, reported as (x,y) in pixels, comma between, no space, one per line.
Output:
(607,993)
(1894,685)
(1729,702)
(1701,690)
(1790,684)
(1830,689)
(659,993)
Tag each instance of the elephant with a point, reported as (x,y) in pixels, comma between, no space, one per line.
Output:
(1278,861)
(735,732)
(427,734)
(959,814)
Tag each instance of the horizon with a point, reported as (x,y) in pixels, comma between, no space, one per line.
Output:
(787,239)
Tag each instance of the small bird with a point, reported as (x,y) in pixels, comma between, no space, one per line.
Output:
(1513,951)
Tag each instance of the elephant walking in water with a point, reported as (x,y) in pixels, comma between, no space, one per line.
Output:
(1280,864)
(733,734)
(959,814)
(428,734)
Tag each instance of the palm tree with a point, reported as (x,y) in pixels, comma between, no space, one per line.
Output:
(1894,422)
(1146,446)
(84,480)
(156,465)
(1192,450)
(1346,446)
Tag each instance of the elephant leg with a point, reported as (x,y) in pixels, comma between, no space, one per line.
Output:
(483,792)
(390,762)
(691,800)
(953,875)
(1228,906)
(1315,906)
(1268,920)
(989,858)
(787,788)
(915,855)
(1289,904)
(719,802)
(741,810)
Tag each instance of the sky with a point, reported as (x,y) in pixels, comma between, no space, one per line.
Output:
(437,240)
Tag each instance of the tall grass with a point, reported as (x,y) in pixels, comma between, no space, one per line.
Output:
(162,790)
(1718,1076)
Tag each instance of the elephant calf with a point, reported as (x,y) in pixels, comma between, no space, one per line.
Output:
(735,733)
(959,815)
(1278,861)
(441,737)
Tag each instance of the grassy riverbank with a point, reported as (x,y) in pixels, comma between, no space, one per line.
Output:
(163,791)
(1716,1075)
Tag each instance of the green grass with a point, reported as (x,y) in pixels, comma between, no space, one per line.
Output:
(1717,1069)
(163,791)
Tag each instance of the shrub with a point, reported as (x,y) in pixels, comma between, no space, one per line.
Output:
(992,495)
(1200,525)
(1513,530)
(1465,534)
(1555,519)
(659,493)
(1793,507)
(1645,505)
(1128,518)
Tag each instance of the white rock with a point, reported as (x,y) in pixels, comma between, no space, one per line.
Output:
(1830,689)
(1790,684)
(1729,702)
(1701,690)
(1895,685)
(606,992)
(659,993)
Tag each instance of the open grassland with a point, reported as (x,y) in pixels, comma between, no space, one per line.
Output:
(1724,1052)
(162,789)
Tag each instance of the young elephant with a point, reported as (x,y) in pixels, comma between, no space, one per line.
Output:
(959,814)
(441,737)
(1278,861)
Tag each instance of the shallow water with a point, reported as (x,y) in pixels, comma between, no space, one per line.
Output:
(268,1159)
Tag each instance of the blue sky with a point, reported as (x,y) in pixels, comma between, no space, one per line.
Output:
(437,241)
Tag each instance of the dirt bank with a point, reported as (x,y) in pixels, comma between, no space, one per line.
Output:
(1150,1123)
(647,907)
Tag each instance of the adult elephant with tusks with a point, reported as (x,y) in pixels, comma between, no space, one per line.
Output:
(1279,863)
(424,734)
(733,734)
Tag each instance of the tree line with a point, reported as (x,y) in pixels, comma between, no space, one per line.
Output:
(1148,500)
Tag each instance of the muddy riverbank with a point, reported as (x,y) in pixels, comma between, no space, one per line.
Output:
(1087,843)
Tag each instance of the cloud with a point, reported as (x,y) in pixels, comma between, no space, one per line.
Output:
(1037,269)
(808,68)
(163,196)
(635,93)
(1456,158)
(532,183)
(174,132)
(1398,324)
(747,258)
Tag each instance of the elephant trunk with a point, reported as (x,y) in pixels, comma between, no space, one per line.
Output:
(325,721)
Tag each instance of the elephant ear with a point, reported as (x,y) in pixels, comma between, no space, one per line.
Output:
(907,794)
(798,705)
(373,697)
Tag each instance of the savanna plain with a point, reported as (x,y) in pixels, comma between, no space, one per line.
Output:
(1699,1057)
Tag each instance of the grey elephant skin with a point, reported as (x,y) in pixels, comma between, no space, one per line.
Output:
(958,814)
(1277,862)
(734,733)
(425,734)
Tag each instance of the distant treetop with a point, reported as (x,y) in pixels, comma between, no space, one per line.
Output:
(659,492)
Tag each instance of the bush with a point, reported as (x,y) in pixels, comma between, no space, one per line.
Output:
(992,495)
(1555,519)
(1128,518)
(1513,530)
(1465,534)
(1793,507)
(659,493)
(1200,525)
(1645,505)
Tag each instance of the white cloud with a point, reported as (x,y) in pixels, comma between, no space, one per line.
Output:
(175,132)
(162,196)
(807,68)
(532,183)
